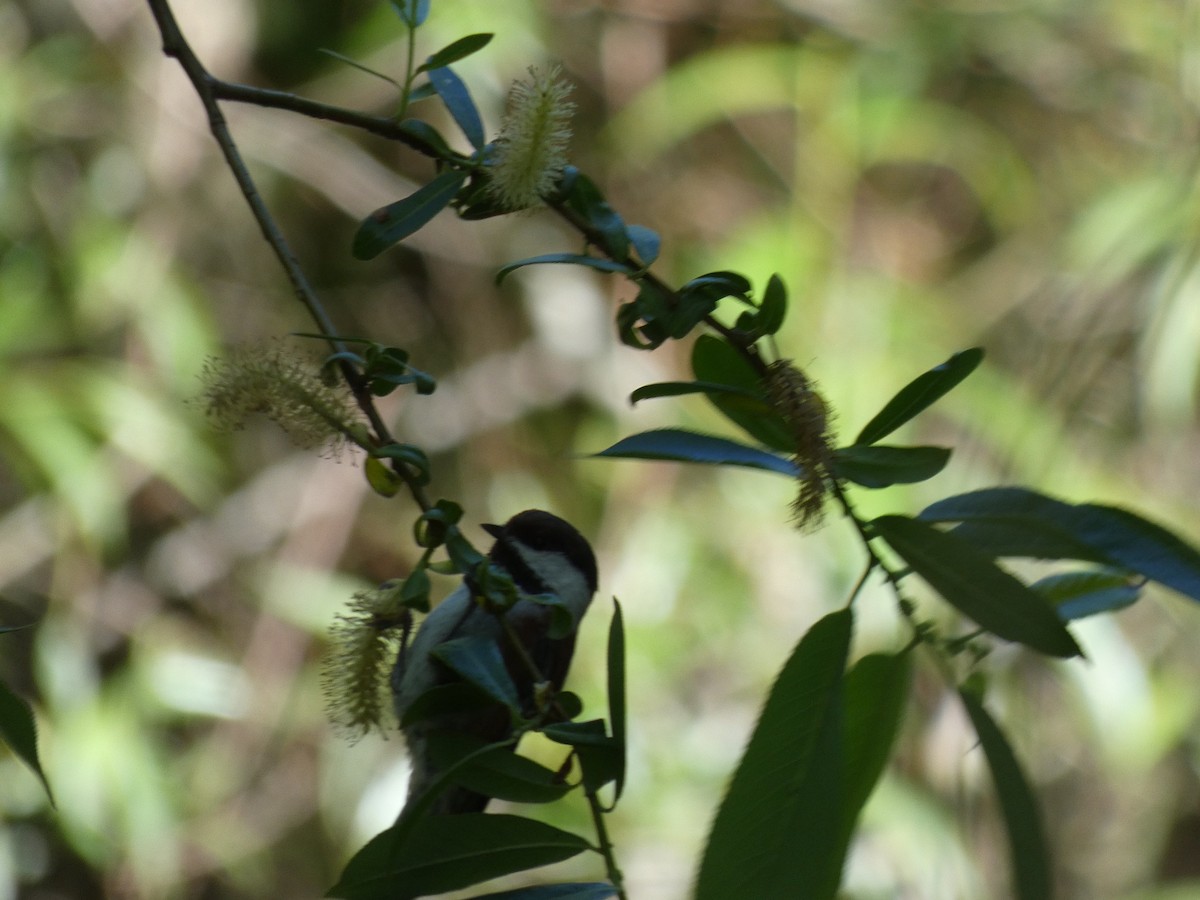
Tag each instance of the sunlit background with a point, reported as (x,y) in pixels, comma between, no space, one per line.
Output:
(926,176)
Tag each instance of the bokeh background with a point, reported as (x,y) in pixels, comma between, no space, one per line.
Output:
(925,175)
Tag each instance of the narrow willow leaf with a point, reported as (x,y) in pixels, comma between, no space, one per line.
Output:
(593,890)
(680,388)
(413,13)
(479,662)
(447,853)
(460,49)
(715,361)
(616,690)
(689,446)
(18,729)
(391,224)
(1019,522)
(457,99)
(919,394)
(880,466)
(575,259)
(1079,594)
(1027,844)
(972,583)
(779,827)
(367,69)
(601,756)
(876,691)
(424,136)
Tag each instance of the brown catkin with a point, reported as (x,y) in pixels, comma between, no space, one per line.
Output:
(794,397)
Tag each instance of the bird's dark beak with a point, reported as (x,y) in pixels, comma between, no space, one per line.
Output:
(494,530)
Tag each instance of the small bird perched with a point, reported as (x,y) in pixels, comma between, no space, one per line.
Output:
(542,554)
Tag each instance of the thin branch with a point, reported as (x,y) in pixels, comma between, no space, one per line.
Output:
(176,46)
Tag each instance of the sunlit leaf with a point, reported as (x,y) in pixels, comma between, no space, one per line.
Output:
(919,394)
(1079,594)
(455,51)
(446,853)
(972,583)
(391,224)
(1027,844)
(689,446)
(777,831)
(879,466)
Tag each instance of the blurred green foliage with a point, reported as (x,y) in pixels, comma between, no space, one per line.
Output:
(925,176)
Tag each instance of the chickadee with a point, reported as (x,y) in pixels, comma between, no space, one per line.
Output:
(542,554)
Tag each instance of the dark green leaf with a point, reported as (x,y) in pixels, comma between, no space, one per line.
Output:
(458,101)
(972,583)
(1079,594)
(715,361)
(413,13)
(498,773)
(723,284)
(919,394)
(1030,857)
(460,49)
(409,454)
(595,890)
(479,662)
(616,689)
(876,691)
(640,323)
(601,757)
(562,621)
(1020,522)
(679,388)
(447,853)
(391,224)
(577,259)
(415,592)
(646,243)
(880,466)
(584,198)
(18,729)
(773,308)
(689,446)
(777,831)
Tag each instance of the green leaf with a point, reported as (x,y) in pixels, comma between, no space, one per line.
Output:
(777,831)
(1032,878)
(1020,522)
(972,583)
(771,312)
(381,478)
(880,466)
(919,394)
(689,446)
(498,773)
(601,757)
(391,224)
(876,691)
(679,388)
(616,690)
(457,99)
(1077,595)
(584,198)
(479,662)
(715,361)
(409,454)
(646,243)
(455,51)
(447,853)
(594,890)
(414,594)
(413,13)
(640,323)
(576,259)
(18,729)
(367,69)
